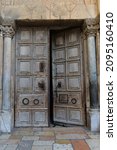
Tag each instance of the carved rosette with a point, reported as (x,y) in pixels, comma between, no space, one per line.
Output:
(91,26)
(8,31)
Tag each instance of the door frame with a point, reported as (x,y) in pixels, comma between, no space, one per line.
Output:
(53,27)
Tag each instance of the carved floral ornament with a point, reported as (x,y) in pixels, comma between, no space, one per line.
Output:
(7,30)
(91,26)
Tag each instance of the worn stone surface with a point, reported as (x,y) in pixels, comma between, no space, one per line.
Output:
(95,120)
(63,141)
(48,9)
(11,147)
(42,148)
(71,136)
(80,145)
(94,144)
(3,146)
(48,141)
(25,145)
(30,138)
(4,136)
(43,143)
(62,147)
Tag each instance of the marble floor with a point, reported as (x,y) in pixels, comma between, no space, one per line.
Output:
(52,138)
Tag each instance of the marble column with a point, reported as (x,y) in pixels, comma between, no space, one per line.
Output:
(7,114)
(1,63)
(8,34)
(91,26)
(92,71)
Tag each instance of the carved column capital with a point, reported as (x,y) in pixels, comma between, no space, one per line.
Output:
(91,26)
(1,30)
(8,31)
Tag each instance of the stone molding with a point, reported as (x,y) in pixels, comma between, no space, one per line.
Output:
(91,26)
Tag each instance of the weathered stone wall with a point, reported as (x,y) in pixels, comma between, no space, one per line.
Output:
(48,9)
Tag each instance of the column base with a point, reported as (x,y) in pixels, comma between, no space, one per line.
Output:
(94,115)
(5,121)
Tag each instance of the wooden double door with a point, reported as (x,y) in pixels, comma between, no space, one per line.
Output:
(33,77)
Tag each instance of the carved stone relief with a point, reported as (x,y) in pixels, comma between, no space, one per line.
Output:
(48,9)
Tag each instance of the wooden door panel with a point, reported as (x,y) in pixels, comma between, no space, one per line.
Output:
(40,117)
(75,116)
(32,101)
(72,99)
(67,77)
(74,83)
(40,51)
(60,114)
(73,68)
(72,37)
(32,77)
(40,84)
(25,35)
(59,55)
(24,84)
(40,67)
(23,118)
(24,67)
(59,40)
(40,35)
(73,52)
(24,50)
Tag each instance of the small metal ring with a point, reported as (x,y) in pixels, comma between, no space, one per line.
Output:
(36,101)
(25,101)
(74,101)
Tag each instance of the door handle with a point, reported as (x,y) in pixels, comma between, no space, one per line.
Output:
(41,85)
(42,66)
(59,85)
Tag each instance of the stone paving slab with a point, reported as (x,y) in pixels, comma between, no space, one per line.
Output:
(71,136)
(15,137)
(94,144)
(63,141)
(30,138)
(4,136)
(3,146)
(22,133)
(11,147)
(94,135)
(55,138)
(44,143)
(62,147)
(42,148)
(25,145)
(48,133)
(80,145)
(47,138)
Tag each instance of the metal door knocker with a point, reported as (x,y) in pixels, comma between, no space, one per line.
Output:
(25,101)
(74,101)
(36,101)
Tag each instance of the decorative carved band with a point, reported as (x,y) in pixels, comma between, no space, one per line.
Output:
(8,31)
(91,26)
